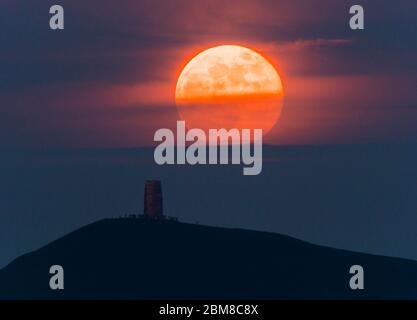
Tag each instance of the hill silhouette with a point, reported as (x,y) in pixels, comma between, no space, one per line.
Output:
(136,259)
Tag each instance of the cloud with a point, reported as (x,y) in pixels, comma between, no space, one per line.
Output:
(302,44)
(122,58)
(137,41)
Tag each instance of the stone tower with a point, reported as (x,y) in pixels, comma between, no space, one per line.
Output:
(153,208)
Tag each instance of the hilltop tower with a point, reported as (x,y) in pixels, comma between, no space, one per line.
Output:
(153,208)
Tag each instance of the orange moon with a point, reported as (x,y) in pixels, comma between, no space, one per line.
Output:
(229,87)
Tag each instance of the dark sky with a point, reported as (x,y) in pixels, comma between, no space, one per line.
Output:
(108,79)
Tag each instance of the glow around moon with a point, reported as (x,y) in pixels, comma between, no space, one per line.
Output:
(229,87)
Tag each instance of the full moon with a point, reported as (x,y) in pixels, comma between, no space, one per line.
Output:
(229,87)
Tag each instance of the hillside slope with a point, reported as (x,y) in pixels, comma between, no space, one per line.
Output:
(135,259)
